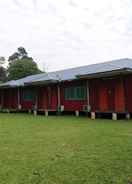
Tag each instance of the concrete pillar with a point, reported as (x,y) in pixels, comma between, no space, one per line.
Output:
(128,116)
(93,115)
(77,113)
(35,112)
(29,111)
(114,116)
(19,107)
(46,113)
(8,111)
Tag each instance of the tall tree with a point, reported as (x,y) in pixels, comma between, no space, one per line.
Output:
(21,65)
(2,69)
(2,60)
(20,54)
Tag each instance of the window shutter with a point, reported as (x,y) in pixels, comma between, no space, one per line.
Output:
(75,93)
(28,95)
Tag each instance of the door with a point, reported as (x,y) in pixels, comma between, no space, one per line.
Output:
(52,98)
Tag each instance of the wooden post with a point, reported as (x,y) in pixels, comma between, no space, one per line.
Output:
(35,107)
(49,97)
(88,102)
(59,100)
(36,100)
(2,99)
(18,99)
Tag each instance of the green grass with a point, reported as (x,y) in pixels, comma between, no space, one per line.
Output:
(64,150)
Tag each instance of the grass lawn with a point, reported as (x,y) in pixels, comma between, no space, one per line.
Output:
(64,150)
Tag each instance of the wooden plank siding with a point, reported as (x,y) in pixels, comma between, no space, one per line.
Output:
(72,105)
(26,104)
(94,95)
(47,98)
(105,95)
(128,93)
(120,96)
(1,97)
(10,100)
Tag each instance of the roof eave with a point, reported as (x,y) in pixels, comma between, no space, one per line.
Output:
(8,86)
(106,74)
(35,83)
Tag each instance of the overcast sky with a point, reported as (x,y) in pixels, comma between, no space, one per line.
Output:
(66,33)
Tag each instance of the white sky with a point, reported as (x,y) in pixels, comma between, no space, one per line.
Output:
(67,33)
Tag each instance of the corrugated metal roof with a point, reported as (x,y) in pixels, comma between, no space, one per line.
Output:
(71,74)
(20,82)
(8,84)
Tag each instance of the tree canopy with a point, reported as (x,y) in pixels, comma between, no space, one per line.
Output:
(22,68)
(21,65)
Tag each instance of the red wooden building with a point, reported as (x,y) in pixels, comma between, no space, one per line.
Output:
(96,89)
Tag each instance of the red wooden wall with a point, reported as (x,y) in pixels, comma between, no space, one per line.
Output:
(47,97)
(94,94)
(107,95)
(120,96)
(10,99)
(128,93)
(0,97)
(72,105)
(25,104)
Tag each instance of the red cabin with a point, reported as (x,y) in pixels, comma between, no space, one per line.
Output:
(98,88)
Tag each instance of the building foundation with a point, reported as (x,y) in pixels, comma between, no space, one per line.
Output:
(114,116)
(93,115)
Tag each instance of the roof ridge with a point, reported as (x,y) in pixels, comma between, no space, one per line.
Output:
(104,62)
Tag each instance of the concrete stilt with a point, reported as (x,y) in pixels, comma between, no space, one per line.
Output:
(114,116)
(19,107)
(93,115)
(128,116)
(46,113)
(58,113)
(77,113)
(29,111)
(8,111)
(35,112)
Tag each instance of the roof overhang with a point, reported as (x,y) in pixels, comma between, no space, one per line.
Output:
(8,86)
(44,82)
(123,71)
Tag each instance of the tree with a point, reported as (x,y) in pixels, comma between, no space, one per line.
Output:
(22,51)
(20,54)
(2,74)
(2,70)
(13,57)
(22,68)
(21,65)
(2,60)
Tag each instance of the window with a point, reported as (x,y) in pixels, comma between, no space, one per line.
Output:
(28,95)
(75,93)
